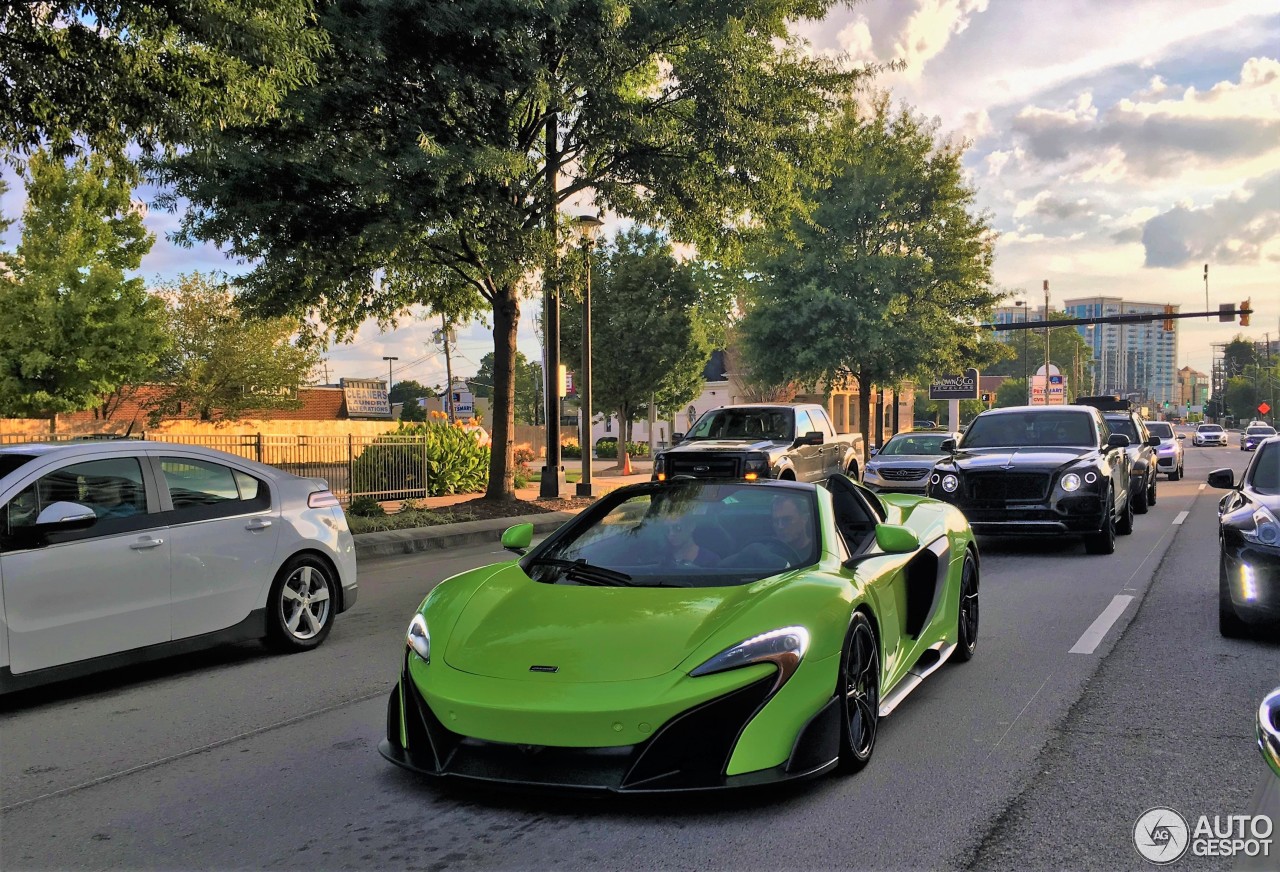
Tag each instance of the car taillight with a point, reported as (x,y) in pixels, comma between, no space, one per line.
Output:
(322,500)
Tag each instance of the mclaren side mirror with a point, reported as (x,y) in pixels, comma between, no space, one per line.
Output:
(895,539)
(1223,478)
(517,538)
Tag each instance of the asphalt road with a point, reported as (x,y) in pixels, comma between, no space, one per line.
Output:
(1029,757)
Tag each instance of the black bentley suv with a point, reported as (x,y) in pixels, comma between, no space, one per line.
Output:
(1249,538)
(1040,471)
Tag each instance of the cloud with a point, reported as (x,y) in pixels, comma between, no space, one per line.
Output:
(1149,137)
(1237,229)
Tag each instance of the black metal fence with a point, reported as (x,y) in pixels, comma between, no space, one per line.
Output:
(386,467)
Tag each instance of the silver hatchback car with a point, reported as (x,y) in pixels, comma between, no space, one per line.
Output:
(123,551)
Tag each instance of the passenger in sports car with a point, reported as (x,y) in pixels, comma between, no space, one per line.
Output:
(684,549)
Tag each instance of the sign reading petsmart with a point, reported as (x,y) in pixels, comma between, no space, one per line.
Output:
(955,387)
(366,398)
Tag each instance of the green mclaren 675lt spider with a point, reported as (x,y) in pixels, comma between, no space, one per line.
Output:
(687,635)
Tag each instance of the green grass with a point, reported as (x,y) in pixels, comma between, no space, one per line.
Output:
(569,477)
(406,519)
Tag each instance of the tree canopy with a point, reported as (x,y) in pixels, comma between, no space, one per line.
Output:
(430,161)
(652,328)
(221,363)
(528,399)
(103,73)
(888,277)
(75,329)
(1068,350)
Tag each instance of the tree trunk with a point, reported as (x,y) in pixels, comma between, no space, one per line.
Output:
(506,320)
(624,456)
(864,410)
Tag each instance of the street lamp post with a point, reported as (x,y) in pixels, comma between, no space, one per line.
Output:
(1022,304)
(587,227)
(389,361)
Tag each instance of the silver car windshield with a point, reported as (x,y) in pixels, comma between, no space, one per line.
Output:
(915,444)
(1159,428)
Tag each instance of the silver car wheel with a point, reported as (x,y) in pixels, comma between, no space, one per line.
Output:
(304,603)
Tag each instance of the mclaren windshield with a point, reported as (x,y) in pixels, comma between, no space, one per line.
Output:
(685,533)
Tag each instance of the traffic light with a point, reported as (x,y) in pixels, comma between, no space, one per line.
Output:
(986,398)
(1168,322)
(1245,309)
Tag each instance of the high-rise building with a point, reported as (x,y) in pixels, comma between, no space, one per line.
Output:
(1138,361)
(1193,389)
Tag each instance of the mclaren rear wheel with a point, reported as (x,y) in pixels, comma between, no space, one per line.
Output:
(967,635)
(860,689)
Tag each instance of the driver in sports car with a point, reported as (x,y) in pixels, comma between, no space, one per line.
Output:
(793,523)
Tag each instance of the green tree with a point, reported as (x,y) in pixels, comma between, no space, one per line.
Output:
(409,392)
(652,329)
(75,329)
(528,398)
(222,363)
(1240,396)
(1068,350)
(1012,392)
(430,162)
(889,277)
(1238,356)
(107,72)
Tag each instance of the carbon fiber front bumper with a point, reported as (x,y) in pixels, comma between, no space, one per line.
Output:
(689,752)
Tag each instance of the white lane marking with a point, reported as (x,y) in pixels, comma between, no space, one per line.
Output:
(1203,485)
(1092,637)
(1182,516)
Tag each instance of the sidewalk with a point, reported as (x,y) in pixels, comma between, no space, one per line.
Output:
(389,543)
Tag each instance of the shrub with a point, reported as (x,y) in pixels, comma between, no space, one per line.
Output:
(366,507)
(571,449)
(610,449)
(449,457)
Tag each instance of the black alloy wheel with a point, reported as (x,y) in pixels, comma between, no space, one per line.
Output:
(1229,624)
(860,689)
(1138,497)
(1124,524)
(1104,541)
(967,635)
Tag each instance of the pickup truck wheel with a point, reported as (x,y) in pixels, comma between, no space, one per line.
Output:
(852,471)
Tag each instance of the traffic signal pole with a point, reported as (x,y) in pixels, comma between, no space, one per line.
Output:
(1226,313)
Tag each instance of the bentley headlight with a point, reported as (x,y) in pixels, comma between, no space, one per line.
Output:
(950,483)
(1266,529)
(1070,482)
(784,648)
(418,638)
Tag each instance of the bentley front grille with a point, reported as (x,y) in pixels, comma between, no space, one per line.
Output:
(1007,486)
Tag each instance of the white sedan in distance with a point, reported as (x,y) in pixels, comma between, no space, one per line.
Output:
(116,552)
(1209,434)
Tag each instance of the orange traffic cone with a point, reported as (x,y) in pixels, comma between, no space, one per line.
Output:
(626,462)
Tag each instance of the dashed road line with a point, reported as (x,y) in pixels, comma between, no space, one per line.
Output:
(1182,516)
(1088,643)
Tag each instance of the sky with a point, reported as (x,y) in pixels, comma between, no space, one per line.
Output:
(1117,145)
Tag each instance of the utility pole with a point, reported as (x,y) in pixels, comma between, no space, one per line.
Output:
(1046,342)
(448,369)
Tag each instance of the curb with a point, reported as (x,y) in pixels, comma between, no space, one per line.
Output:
(389,543)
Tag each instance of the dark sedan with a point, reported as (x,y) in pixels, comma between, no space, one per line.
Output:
(1040,471)
(1254,435)
(1249,537)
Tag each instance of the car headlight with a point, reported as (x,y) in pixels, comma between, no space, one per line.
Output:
(756,466)
(1071,482)
(950,483)
(418,638)
(783,647)
(1266,529)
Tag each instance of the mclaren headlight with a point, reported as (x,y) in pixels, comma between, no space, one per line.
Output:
(1071,482)
(418,638)
(784,648)
(1266,529)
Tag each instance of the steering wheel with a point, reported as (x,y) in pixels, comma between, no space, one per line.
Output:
(778,548)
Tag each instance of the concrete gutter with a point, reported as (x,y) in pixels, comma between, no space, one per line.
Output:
(389,543)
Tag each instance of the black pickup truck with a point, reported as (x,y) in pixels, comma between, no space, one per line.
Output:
(788,441)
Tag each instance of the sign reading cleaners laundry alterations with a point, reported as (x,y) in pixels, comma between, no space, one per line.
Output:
(955,387)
